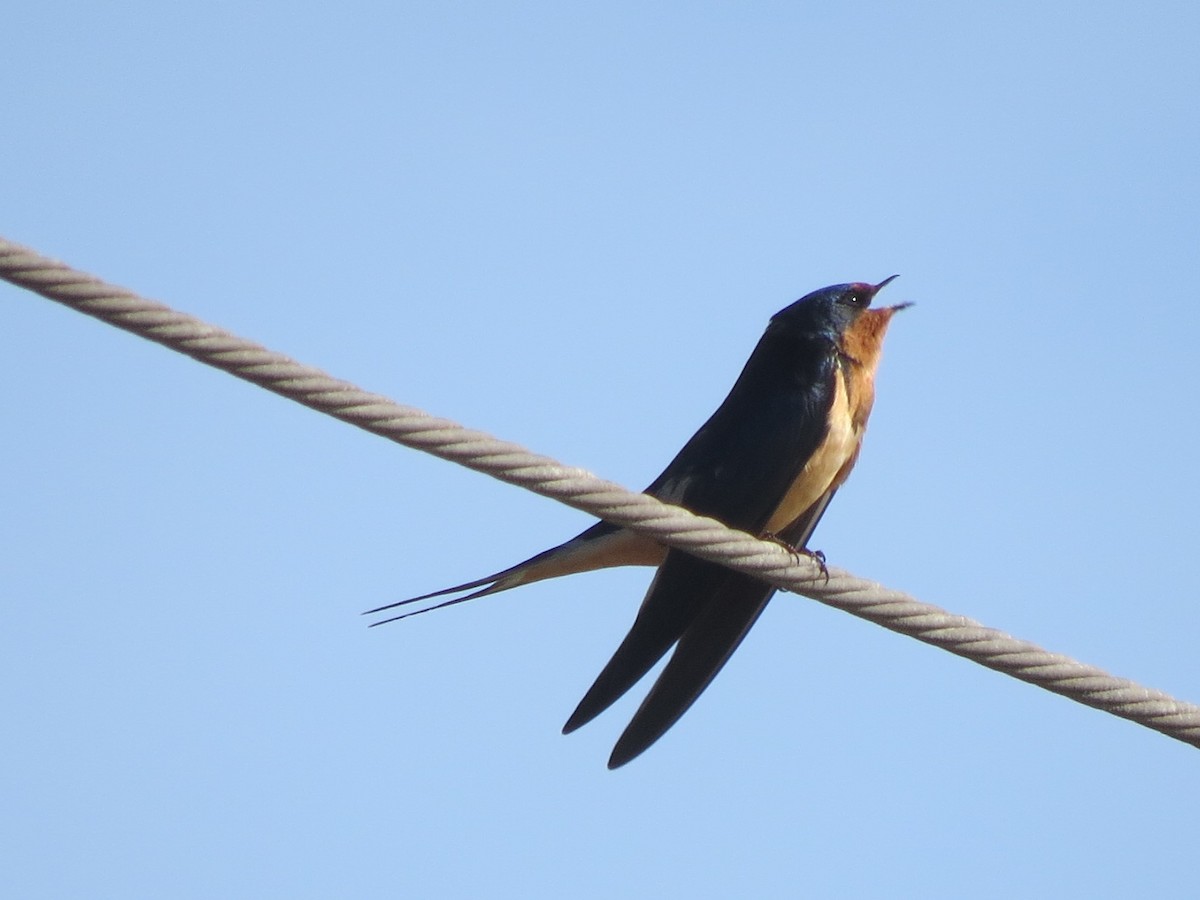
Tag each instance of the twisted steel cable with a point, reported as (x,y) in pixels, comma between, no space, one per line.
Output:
(668,524)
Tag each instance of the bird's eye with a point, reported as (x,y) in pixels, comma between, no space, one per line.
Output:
(853,298)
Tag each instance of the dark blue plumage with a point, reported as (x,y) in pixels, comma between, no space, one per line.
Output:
(767,461)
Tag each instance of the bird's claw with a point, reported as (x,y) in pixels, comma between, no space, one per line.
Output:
(816,556)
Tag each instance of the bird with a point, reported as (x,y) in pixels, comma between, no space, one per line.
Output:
(768,461)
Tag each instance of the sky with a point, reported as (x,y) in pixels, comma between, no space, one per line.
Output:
(568,224)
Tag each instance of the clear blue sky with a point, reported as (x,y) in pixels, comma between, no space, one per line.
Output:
(568,224)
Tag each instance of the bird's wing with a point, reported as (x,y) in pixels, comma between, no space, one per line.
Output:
(738,468)
(734,603)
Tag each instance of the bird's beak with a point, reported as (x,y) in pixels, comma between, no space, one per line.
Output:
(879,287)
(876,288)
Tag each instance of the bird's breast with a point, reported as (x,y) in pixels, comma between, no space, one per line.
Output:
(824,468)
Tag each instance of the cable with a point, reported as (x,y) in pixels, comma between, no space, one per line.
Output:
(671,525)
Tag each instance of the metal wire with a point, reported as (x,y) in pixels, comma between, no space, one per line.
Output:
(668,524)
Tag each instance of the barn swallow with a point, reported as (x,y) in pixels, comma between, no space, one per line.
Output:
(768,462)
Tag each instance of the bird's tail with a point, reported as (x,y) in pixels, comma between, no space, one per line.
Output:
(492,584)
(599,547)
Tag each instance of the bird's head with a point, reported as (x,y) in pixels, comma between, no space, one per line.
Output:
(828,312)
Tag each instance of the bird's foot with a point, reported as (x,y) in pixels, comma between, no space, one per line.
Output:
(816,556)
